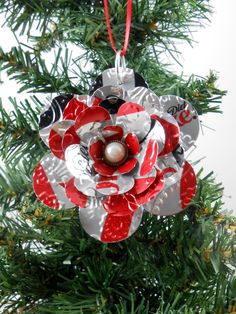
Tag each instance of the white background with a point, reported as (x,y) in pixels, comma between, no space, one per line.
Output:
(216,50)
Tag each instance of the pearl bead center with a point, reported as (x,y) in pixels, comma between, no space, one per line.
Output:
(115,153)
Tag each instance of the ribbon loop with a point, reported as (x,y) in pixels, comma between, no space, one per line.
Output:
(127,28)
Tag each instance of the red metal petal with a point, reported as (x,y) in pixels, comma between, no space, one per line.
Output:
(108,227)
(91,115)
(96,149)
(116,228)
(48,189)
(143,183)
(96,101)
(55,144)
(75,196)
(132,143)
(133,118)
(114,185)
(43,188)
(121,205)
(127,166)
(56,137)
(73,109)
(70,138)
(110,187)
(152,191)
(128,108)
(103,169)
(112,133)
(149,158)
(188,185)
(171,129)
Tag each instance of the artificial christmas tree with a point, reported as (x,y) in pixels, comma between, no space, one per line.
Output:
(172,264)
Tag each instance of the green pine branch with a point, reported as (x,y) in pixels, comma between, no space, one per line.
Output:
(30,71)
(33,75)
(83,22)
(167,257)
(19,136)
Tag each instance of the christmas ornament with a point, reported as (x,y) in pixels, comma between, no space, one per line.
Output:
(117,152)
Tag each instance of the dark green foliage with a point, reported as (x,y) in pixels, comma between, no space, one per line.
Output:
(169,262)
(184,264)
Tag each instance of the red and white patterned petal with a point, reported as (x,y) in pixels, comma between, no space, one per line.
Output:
(121,205)
(134,119)
(49,178)
(132,143)
(76,163)
(142,183)
(170,168)
(157,133)
(70,138)
(56,137)
(171,129)
(175,198)
(153,190)
(96,147)
(79,198)
(147,157)
(114,185)
(73,109)
(90,120)
(128,166)
(108,227)
(75,196)
(112,133)
(103,169)
(186,117)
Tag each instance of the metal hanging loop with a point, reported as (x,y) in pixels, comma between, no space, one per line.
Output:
(120,65)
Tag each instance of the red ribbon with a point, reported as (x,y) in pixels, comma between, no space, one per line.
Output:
(127,28)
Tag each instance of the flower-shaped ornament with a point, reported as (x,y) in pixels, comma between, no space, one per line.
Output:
(115,154)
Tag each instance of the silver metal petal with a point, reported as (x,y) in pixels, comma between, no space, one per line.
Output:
(86,184)
(52,113)
(144,97)
(176,197)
